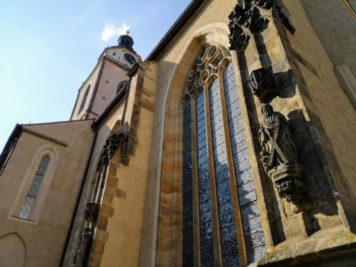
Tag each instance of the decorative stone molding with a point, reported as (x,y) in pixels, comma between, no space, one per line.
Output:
(248,19)
(238,38)
(265,4)
(262,84)
(206,68)
(118,141)
(279,158)
(82,254)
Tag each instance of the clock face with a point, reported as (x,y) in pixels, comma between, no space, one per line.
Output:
(129,58)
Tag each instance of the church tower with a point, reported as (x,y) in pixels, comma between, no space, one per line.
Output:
(106,80)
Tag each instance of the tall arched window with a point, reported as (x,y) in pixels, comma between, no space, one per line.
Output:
(84,99)
(30,199)
(221,221)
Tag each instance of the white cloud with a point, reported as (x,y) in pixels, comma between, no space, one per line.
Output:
(112,30)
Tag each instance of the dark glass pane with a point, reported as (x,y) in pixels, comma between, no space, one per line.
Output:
(255,242)
(188,256)
(228,240)
(27,206)
(205,210)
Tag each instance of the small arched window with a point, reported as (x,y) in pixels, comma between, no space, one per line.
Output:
(84,99)
(30,199)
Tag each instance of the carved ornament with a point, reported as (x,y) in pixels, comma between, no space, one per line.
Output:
(205,68)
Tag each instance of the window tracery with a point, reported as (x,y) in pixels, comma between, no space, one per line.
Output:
(29,202)
(219,200)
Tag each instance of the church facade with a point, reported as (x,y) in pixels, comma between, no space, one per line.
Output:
(231,144)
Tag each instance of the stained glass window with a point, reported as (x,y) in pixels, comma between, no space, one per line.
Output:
(27,206)
(205,209)
(222,176)
(254,239)
(188,258)
(212,121)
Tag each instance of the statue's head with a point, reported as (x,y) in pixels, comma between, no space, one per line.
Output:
(267,110)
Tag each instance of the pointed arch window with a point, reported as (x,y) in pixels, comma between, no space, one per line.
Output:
(30,199)
(221,222)
(84,99)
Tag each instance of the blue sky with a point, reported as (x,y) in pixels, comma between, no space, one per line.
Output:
(47,49)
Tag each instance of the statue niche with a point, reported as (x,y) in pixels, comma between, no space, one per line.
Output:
(279,158)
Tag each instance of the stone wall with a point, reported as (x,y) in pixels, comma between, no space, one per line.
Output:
(327,107)
(42,237)
(102,134)
(300,65)
(121,224)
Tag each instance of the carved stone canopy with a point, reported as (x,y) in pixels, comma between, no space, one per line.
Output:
(206,67)
(262,84)
(245,18)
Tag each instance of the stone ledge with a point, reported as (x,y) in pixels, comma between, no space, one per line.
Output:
(328,246)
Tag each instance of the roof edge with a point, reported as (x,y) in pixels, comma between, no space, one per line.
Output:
(175,28)
(16,132)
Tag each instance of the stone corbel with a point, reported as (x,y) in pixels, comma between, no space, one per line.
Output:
(262,84)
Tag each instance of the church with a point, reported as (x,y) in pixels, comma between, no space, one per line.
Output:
(232,144)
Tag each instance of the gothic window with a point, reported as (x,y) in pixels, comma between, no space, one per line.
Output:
(30,199)
(84,99)
(221,221)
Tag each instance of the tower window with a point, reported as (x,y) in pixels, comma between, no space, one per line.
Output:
(84,99)
(29,202)
(221,218)
(122,86)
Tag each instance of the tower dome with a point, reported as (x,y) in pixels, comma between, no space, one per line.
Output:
(126,41)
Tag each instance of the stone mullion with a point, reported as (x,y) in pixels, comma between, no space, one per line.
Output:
(103,183)
(233,186)
(96,185)
(215,213)
(196,236)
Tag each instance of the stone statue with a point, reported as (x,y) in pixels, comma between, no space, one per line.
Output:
(276,140)
(279,157)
